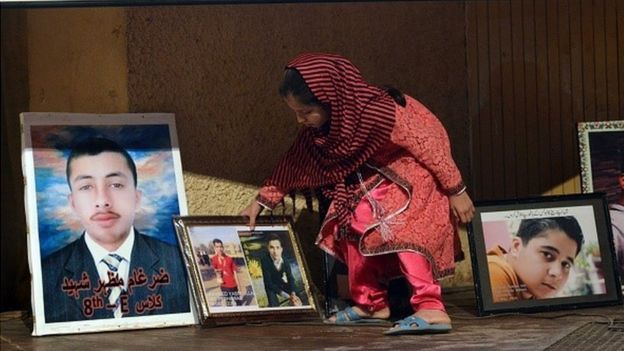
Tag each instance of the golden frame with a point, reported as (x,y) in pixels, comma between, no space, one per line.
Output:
(250,300)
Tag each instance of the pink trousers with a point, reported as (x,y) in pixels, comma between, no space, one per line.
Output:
(368,274)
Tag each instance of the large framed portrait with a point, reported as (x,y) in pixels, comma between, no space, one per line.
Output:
(545,253)
(241,276)
(601,150)
(100,194)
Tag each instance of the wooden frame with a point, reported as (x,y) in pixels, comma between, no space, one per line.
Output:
(222,301)
(69,293)
(558,275)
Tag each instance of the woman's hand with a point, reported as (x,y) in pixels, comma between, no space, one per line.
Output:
(252,211)
(462,207)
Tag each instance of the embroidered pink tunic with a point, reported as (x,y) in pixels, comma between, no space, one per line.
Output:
(418,174)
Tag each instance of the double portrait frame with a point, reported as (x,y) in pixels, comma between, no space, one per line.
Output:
(240,275)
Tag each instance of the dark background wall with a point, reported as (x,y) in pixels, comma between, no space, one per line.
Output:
(14,278)
(218,69)
(535,69)
(507,78)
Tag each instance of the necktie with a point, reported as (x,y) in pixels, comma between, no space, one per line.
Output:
(112,261)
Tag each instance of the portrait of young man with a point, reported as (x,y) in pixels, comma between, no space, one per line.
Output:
(538,262)
(227,276)
(279,282)
(112,270)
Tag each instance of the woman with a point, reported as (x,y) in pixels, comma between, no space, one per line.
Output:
(385,162)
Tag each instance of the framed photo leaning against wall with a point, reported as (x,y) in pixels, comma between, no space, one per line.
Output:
(601,151)
(241,276)
(544,253)
(100,194)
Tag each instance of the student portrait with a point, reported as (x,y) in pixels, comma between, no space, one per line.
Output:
(542,254)
(276,274)
(105,195)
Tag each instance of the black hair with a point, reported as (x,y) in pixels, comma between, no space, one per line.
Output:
(214,241)
(294,84)
(95,146)
(396,95)
(274,237)
(531,228)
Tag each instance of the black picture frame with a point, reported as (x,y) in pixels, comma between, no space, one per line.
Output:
(591,280)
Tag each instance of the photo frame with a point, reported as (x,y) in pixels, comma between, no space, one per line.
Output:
(118,195)
(240,276)
(601,151)
(541,254)
(601,154)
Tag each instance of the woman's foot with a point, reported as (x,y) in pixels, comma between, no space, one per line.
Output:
(383,313)
(422,322)
(434,316)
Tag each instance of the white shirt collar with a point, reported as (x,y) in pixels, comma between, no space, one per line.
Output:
(278,263)
(98,252)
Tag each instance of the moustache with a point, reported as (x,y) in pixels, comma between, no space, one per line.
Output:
(99,216)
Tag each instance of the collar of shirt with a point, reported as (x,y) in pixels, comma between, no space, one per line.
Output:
(98,253)
(278,263)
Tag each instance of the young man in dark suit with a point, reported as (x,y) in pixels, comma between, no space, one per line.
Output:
(112,270)
(278,279)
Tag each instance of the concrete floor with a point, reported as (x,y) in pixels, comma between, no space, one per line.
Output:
(532,332)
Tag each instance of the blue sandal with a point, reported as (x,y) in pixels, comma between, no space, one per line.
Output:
(348,316)
(416,325)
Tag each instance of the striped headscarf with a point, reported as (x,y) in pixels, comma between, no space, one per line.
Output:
(361,120)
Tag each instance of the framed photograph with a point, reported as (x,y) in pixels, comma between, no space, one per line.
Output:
(241,276)
(601,149)
(100,194)
(545,253)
